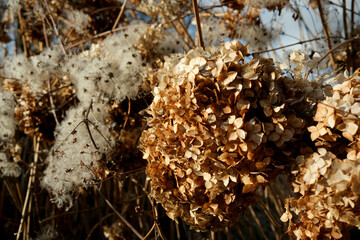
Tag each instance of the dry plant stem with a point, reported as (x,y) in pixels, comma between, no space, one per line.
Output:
(68,35)
(28,220)
(120,216)
(276,201)
(181,23)
(352,29)
(31,181)
(150,231)
(198,23)
(21,22)
(36,203)
(154,208)
(227,232)
(98,224)
(238,35)
(45,35)
(52,102)
(240,232)
(128,113)
(65,214)
(98,212)
(212,235)
(326,32)
(120,14)
(347,9)
(352,25)
(301,18)
(178,236)
(141,224)
(290,45)
(330,51)
(55,27)
(12,194)
(186,41)
(267,204)
(17,184)
(258,223)
(85,224)
(348,48)
(268,214)
(96,36)
(344,20)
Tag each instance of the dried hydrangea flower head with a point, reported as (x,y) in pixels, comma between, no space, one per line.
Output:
(220,127)
(327,180)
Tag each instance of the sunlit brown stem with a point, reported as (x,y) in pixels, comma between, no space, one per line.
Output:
(198,23)
(326,32)
(120,14)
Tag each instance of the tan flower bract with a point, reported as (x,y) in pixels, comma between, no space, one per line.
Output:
(220,127)
(328,184)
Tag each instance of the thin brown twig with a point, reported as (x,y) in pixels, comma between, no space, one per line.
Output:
(330,51)
(350,10)
(198,23)
(65,214)
(290,45)
(16,200)
(52,102)
(85,223)
(352,25)
(128,113)
(258,223)
(120,216)
(96,36)
(120,14)
(268,214)
(98,224)
(45,35)
(186,40)
(326,32)
(150,231)
(345,20)
(27,236)
(181,23)
(55,27)
(352,29)
(154,208)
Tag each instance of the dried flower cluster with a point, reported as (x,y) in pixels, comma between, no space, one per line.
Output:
(328,184)
(116,94)
(220,127)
